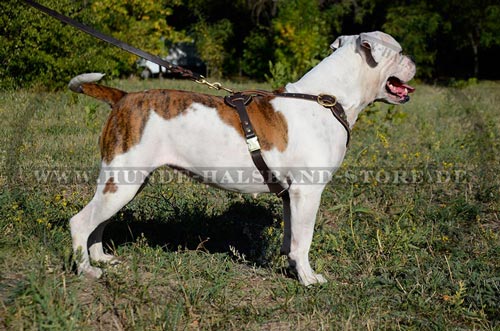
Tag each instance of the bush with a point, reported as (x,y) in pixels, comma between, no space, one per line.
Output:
(39,51)
(258,48)
(299,38)
(210,40)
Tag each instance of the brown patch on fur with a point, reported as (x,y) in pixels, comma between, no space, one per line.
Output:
(126,122)
(110,186)
(172,103)
(104,93)
(270,126)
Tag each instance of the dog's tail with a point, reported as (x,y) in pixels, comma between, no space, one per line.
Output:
(85,83)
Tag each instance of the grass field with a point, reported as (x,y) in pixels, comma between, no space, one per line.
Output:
(408,233)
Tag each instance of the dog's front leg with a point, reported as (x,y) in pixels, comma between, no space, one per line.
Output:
(304,204)
(96,248)
(87,226)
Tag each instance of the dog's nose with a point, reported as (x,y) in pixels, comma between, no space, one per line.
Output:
(412,59)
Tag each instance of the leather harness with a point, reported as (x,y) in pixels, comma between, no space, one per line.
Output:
(239,101)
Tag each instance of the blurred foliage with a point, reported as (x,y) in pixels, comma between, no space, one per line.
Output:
(258,46)
(440,29)
(299,38)
(448,39)
(210,40)
(402,20)
(141,23)
(39,50)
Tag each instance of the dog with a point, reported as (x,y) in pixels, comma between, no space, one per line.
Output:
(195,132)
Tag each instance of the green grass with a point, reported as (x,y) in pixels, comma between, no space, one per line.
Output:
(420,255)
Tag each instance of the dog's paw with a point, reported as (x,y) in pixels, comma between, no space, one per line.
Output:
(320,279)
(106,258)
(312,278)
(90,272)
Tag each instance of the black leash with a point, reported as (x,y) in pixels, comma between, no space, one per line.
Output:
(118,43)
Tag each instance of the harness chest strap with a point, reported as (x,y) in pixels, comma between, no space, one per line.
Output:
(241,99)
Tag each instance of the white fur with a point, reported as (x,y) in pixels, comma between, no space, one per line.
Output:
(199,139)
(75,82)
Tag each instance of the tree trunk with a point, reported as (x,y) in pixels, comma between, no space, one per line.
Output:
(475,50)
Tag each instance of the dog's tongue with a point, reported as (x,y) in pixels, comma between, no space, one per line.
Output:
(399,88)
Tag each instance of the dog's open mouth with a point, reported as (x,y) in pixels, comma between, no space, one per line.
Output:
(396,88)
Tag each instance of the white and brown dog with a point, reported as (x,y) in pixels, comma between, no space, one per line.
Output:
(195,132)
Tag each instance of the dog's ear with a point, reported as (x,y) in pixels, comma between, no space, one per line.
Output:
(370,42)
(342,41)
(379,44)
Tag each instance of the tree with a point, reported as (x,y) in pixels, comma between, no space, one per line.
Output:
(283,37)
(416,27)
(210,42)
(38,50)
(473,24)
(141,23)
(433,31)
(299,39)
(258,51)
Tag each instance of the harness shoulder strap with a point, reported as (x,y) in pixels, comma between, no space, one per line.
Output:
(327,101)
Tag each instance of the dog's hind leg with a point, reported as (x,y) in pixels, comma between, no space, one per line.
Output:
(87,226)
(95,240)
(304,204)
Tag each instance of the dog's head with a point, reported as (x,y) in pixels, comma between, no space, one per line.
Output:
(389,68)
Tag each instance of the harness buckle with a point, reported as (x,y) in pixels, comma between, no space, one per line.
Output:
(253,144)
(326,100)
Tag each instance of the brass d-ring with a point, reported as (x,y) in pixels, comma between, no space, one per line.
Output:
(326,100)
